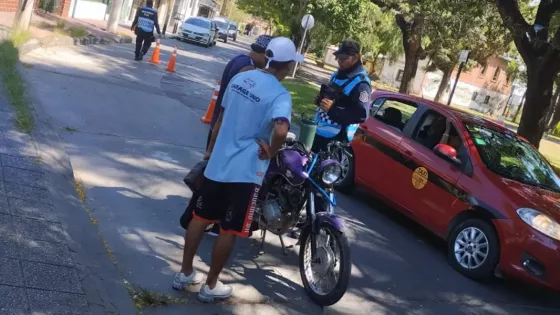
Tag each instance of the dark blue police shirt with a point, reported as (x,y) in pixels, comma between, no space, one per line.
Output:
(232,68)
(353,108)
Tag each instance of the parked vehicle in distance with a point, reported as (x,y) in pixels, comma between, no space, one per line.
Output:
(222,29)
(198,30)
(232,32)
(226,29)
(488,192)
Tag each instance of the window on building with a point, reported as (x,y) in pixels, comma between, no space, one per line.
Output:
(487,99)
(474,96)
(496,74)
(400,75)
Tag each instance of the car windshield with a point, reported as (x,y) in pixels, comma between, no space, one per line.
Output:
(232,27)
(198,22)
(221,25)
(507,155)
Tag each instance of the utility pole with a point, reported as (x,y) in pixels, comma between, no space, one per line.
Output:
(463,58)
(113,22)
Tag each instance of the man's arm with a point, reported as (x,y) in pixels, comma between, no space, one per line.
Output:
(356,112)
(215,132)
(135,20)
(156,23)
(281,113)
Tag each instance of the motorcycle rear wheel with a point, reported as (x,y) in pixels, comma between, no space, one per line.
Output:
(335,250)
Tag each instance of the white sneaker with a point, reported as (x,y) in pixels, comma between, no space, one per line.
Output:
(220,292)
(181,280)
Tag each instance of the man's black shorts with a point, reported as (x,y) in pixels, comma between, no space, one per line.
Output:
(233,205)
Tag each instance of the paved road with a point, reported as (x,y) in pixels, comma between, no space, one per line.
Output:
(133,130)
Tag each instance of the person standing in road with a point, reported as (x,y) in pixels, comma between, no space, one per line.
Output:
(346,100)
(143,26)
(252,126)
(240,63)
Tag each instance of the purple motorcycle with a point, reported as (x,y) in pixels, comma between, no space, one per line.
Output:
(298,180)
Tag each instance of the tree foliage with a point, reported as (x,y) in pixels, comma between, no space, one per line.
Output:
(461,25)
(537,40)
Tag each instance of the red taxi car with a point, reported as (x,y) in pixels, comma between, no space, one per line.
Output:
(488,192)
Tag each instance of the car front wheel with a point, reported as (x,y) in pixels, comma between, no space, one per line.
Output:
(346,182)
(473,249)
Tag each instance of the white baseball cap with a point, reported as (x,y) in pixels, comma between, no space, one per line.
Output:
(282,49)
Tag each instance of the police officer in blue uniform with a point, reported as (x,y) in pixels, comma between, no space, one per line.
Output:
(344,102)
(143,26)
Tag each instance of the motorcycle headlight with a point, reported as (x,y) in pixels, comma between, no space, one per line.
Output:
(540,222)
(331,174)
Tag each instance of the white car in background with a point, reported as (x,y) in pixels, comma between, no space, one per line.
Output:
(198,30)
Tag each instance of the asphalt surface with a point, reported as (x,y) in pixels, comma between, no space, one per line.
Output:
(133,130)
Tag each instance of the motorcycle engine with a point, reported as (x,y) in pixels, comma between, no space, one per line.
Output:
(282,206)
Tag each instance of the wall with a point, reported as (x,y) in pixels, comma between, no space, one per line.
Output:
(90,10)
(484,79)
(391,70)
(465,95)
(8,5)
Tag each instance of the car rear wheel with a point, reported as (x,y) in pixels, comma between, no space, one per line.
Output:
(473,249)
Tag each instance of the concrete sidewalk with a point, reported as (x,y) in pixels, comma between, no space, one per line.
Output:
(51,258)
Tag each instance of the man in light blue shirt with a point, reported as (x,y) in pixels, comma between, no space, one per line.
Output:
(250,130)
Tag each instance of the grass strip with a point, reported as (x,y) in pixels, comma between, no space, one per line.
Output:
(14,84)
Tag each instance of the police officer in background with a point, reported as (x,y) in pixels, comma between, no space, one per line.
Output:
(143,26)
(344,102)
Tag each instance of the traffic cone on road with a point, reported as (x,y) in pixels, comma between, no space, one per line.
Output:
(155,54)
(211,107)
(171,64)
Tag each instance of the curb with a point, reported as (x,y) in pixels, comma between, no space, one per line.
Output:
(53,41)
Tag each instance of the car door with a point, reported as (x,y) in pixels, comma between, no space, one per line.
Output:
(429,187)
(376,147)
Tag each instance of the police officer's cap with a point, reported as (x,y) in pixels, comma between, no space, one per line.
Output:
(348,47)
(259,46)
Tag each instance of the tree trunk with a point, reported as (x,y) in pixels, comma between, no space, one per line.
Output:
(443,84)
(113,22)
(225,7)
(556,116)
(23,15)
(540,82)
(412,44)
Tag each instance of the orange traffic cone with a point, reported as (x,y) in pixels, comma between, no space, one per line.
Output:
(155,55)
(171,64)
(210,111)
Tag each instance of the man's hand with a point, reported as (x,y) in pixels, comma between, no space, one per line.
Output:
(264,150)
(326,104)
(207,155)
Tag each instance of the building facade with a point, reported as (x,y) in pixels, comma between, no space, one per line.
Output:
(484,88)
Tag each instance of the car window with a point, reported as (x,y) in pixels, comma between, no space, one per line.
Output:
(431,128)
(395,113)
(510,157)
(221,25)
(198,22)
(232,27)
(430,132)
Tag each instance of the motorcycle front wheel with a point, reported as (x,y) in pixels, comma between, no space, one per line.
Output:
(326,277)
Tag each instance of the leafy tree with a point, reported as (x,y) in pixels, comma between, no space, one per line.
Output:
(462,25)
(410,16)
(379,34)
(538,44)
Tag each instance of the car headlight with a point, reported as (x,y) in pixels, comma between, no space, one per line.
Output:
(331,174)
(540,222)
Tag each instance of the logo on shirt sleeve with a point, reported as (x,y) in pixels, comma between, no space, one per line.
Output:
(364,97)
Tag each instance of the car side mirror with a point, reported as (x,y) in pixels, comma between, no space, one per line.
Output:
(447,152)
